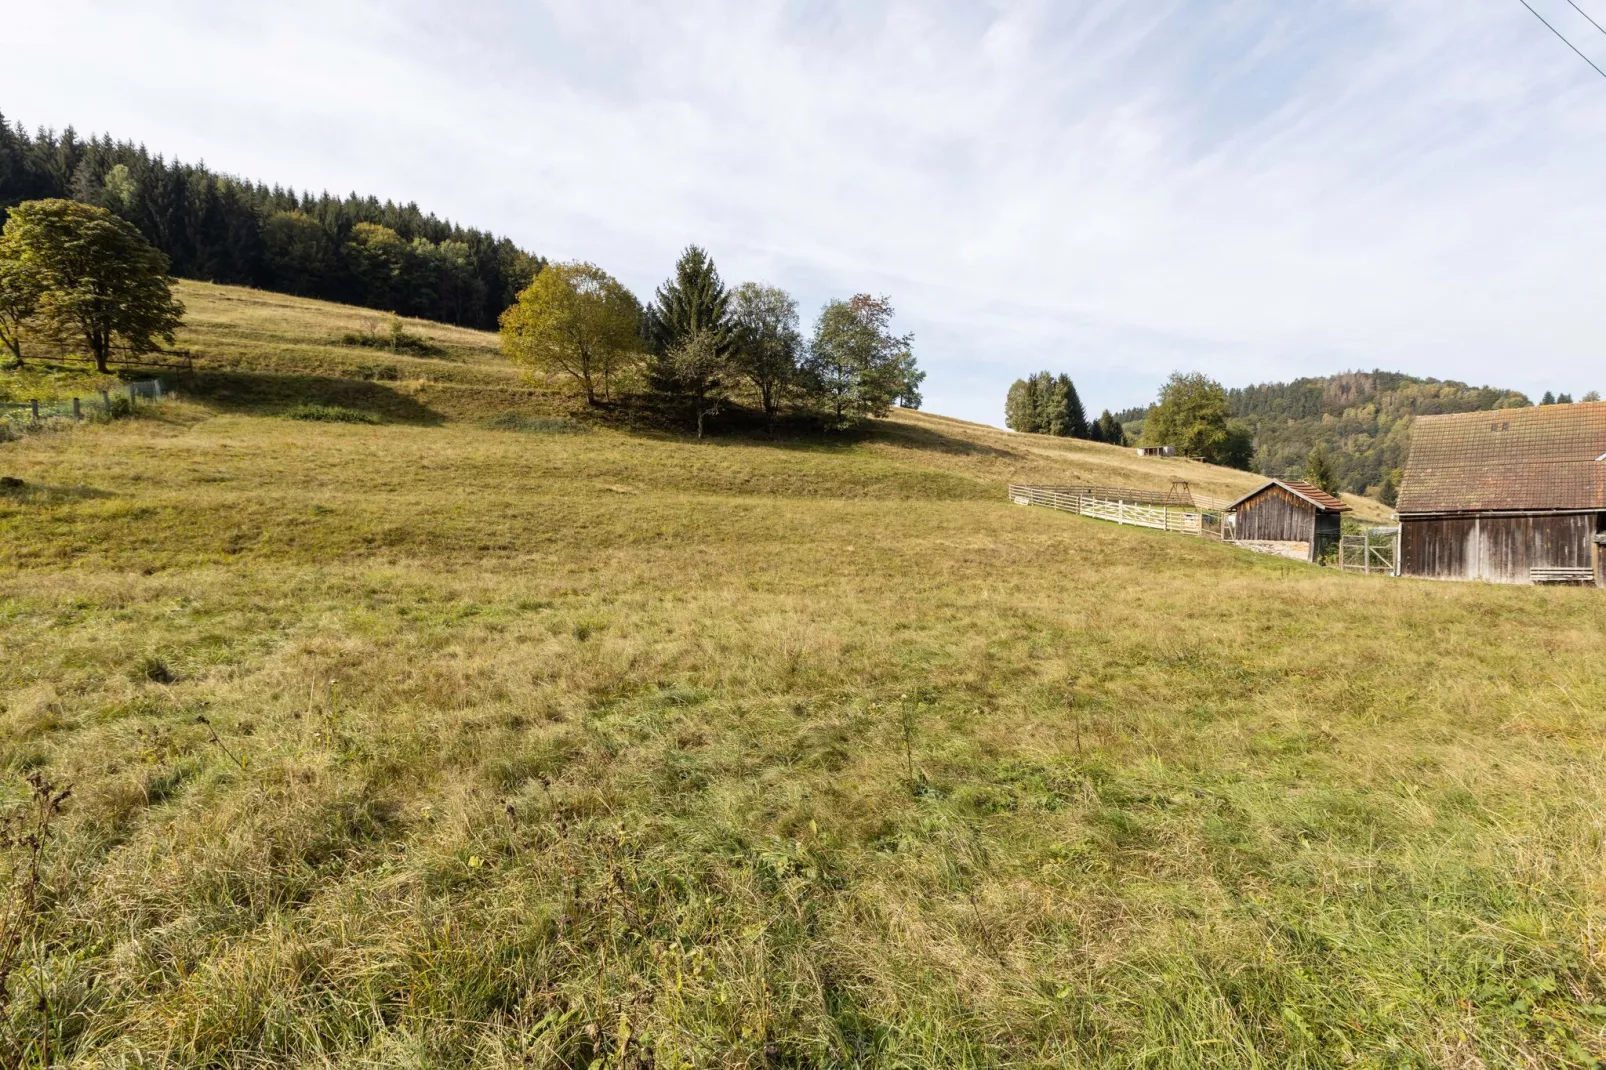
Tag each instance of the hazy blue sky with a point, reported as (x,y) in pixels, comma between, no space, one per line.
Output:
(1258,189)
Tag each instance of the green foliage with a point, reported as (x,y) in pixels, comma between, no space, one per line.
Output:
(1548,399)
(223,229)
(767,346)
(703,371)
(1388,492)
(693,302)
(394,337)
(1319,471)
(99,282)
(21,287)
(1361,419)
(856,367)
(1593,395)
(1191,416)
(575,320)
(1107,428)
(1046,404)
(329,414)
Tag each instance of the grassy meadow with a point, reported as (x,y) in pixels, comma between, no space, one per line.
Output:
(492,734)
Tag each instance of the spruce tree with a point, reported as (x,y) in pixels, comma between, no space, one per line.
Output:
(1319,470)
(1075,416)
(1548,399)
(1019,412)
(692,303)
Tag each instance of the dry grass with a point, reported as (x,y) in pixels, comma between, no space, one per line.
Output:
(539,749)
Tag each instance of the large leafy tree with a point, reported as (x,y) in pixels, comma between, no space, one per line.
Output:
(766,344)
(20,290)
(100,282)
(574,320)
(1191,416)
(857,368)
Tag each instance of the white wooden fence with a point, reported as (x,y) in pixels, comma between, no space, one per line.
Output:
(1160,517)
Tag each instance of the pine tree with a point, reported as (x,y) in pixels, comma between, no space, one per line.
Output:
(1020,414)
(1319,470)
(1075,415)
(1548,399)
(693,303)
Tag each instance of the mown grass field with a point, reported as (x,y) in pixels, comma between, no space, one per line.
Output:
(568,746)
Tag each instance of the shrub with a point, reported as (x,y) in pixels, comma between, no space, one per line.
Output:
(334,414)
(394,338)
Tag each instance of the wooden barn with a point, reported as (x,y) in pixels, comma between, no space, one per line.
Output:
(1287,517)
(1511,496)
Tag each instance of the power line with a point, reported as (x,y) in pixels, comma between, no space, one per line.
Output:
(1584,13)
(1564,40)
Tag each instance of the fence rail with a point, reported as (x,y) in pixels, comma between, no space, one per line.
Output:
(1097,503)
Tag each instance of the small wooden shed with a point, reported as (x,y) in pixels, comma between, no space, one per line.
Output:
(1288,517)
(1512,496)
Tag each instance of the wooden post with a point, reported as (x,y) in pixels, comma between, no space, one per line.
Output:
(132,395)
(105,401)
(77,412)
(33,403)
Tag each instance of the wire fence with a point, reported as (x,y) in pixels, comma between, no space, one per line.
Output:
(35,411)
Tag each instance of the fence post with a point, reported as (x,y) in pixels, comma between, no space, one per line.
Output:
(33,403)
(77,412)
(106,401)
(158,390)
(133,396)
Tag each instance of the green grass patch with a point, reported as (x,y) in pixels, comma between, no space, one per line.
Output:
(329,414)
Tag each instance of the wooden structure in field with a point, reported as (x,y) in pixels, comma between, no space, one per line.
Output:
(1511,496)
(1289,518)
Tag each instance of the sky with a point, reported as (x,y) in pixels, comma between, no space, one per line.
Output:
(1254,189)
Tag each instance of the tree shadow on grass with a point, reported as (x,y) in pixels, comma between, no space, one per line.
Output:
(644,415)
(16,492)
(267,394)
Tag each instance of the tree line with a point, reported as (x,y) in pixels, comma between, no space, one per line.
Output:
(219,228)
(700,346)
(1048,404)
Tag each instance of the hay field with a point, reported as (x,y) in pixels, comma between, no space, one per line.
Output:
(431,743)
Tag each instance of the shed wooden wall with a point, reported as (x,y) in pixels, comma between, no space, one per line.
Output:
(1275,515)
(1499,549)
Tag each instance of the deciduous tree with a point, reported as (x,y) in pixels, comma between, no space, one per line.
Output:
(101,283)
(766,342)
(20,290)
(1191,416)
(856,366)
(576,320)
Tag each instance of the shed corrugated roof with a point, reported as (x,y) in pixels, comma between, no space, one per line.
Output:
(1309,491)
(1542,458)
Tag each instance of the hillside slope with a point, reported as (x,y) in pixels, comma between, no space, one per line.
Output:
(434,743)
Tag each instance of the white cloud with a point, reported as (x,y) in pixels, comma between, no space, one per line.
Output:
(1251,188)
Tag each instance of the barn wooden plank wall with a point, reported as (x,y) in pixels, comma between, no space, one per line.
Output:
(1499,549)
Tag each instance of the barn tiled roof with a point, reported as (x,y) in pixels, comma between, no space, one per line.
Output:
(1543,458)
(1309,491)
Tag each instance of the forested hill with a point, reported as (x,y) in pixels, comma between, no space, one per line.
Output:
(1361,419)
(218,228)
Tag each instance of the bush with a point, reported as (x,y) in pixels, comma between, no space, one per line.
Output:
(393,338)
(334,414)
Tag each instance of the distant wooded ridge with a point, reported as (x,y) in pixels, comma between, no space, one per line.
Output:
(219,228)
(1361,420)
